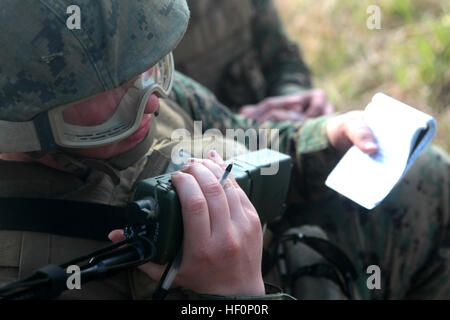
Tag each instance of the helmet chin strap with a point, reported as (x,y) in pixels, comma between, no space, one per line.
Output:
(68,162)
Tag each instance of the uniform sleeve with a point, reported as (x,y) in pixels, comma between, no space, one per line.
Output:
(306,142)
(283,67)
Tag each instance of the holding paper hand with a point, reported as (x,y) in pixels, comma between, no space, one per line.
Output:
(351,129)
(368,178)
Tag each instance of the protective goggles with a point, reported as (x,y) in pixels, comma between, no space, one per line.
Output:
(64,125)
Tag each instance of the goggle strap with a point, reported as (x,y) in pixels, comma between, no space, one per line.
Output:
(18,137)
(44,132)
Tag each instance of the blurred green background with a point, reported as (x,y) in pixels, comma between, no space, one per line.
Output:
(408,58)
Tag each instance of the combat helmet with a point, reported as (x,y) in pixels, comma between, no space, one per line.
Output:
(46,64)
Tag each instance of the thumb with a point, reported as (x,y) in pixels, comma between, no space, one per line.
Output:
(153,270)
(116,235)
(361,135)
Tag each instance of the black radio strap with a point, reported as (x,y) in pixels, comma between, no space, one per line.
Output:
(68,218)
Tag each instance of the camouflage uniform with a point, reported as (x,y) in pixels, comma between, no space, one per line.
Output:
(254,30)
(406,236)
(245,57)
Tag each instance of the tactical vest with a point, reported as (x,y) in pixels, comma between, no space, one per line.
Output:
(217,51)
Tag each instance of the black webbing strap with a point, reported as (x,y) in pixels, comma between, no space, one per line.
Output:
(332,253)
(63,217)
(320,270)
(329,251)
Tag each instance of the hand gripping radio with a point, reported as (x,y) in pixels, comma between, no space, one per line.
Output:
(263,175)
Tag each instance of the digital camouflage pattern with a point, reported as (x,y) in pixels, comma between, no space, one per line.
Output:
(50,65)
(405,235)
(245,57)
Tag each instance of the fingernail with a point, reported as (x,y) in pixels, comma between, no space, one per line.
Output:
(185,167)
(370,145)
(191,160)
(212,154)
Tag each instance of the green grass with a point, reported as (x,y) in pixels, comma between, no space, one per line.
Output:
(408,58)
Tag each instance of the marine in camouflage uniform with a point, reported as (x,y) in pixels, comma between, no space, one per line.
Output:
(407,235)
(246,57)
(54,70)
(239,50)
(404,235)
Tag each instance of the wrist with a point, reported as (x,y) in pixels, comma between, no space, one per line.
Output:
(242,288)
(258,289)
(271,292)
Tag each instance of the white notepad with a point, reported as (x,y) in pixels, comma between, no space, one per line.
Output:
(402,133)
